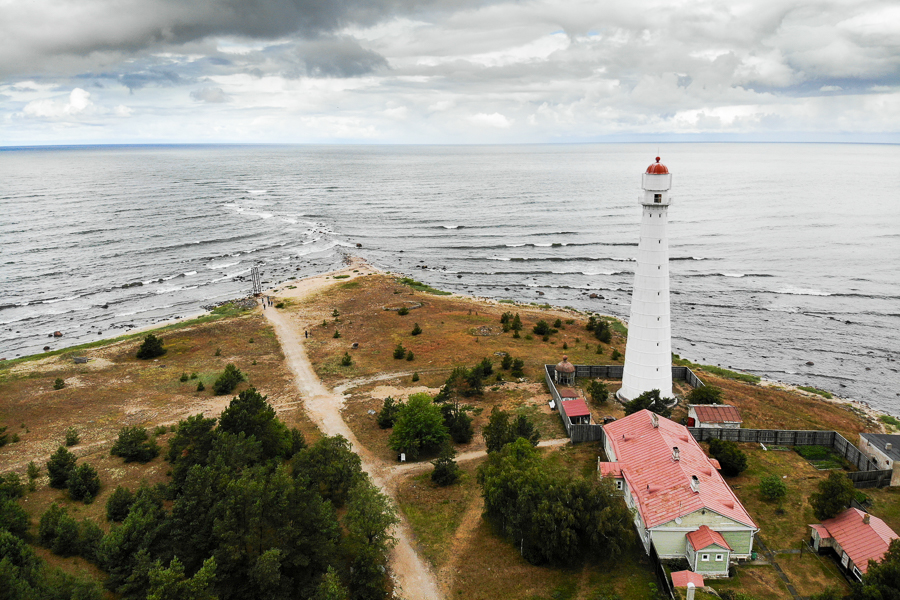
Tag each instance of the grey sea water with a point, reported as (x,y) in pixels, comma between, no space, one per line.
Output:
(782,254)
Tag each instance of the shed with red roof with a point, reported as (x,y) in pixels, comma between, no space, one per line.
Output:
(683,578)
(856,538)
(675,490)
(577,411)
(721,416)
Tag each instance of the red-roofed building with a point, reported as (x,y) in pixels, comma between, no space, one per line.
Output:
(722,416)
(675,491)
(683,578)
(577,411)
(708,552)
(856,537)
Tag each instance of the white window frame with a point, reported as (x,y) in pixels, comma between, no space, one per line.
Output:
(720,557)
(857,573)
(704,557)
(620,485)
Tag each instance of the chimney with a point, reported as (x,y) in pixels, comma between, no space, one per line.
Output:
(888,446)
(690,590)
(866,519)
(654,418)
(676,453)
(695,484)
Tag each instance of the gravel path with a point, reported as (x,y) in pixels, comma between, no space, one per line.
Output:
(412,575)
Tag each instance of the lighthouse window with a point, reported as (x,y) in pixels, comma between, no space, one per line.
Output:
(657,198)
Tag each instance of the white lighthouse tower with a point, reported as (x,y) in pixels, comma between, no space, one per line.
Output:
(648,352)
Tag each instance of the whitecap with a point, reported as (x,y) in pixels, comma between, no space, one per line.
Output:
(189,273)
(803,292)
(55,300)
(223,266)
(515,245)
(733,274)
(257,192)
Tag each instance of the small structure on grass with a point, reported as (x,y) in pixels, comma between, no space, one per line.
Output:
(683,578)
(722,416)
(884,450)
(565,372)
(577,411)
(708,552)
(855,537)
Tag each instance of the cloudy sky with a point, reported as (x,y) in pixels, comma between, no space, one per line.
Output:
(447,71)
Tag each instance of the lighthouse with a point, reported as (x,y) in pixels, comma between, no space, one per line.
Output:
(648,351)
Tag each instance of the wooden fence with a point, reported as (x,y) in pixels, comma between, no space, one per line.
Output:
(590,433)
(869,475)
(665,581)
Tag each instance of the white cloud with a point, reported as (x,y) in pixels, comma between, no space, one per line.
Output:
(830,88)
(490,120)
(78,102)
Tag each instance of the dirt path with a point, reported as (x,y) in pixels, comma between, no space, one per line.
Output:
(412,575)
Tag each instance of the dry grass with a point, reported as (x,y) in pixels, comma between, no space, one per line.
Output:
(811,574)
(115,389)
(764,407)
(757,581)
(448,324)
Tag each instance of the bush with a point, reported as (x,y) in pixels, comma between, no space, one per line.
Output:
(705,394)
(200,386)
(135,445)
(616,355)
(500,431)
(486,366)
(346,361)
(151,348)
(11,487)
(84,483)
(399,352)
(118,504)
(13,518)
(72,436)
(403,311)
(772,487)
(598,391)
(388,413)
(335,313)
(218,352)
(518,367)
(458,423)
(446,471)
(194,375)
(279,305)
(541,328)
(415,376)
(651,401)
(557,323)
(34,471)
(410,355)
(834,495)
(337,334)
(506,363)
(228,380)
(59,384)
(419,427)
(732,460)
(184,377)
(416,330)
(59,467)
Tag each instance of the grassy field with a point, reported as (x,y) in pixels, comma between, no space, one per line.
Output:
(115,389)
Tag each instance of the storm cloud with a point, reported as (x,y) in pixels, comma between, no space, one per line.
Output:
(436,70)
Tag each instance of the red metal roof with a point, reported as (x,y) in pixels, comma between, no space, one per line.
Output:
(657,168)
(862,541)
(716,413)
(706,537)
(564,366)
(662,485)
(576,408)
(610,469)
(682,578)
(568,393)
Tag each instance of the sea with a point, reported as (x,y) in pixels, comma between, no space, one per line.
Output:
(785,258)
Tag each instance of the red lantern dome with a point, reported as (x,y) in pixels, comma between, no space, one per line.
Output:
(657,168)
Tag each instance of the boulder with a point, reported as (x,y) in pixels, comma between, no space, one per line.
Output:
(57,334)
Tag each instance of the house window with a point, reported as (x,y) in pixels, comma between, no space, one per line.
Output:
(619,485)
(657,198)
(857,573)
(720,557)
(704,557)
